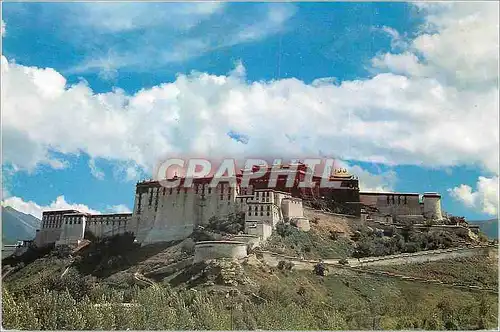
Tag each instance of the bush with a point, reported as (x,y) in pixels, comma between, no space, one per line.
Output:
(285,265)
(343,261)
(320,269)
(233,224)
(61,251)
(283,229)
(188,246)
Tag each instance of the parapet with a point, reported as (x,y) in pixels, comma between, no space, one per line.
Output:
(208,250)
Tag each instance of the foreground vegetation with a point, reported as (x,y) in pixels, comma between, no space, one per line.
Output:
(39,296)
(54,289)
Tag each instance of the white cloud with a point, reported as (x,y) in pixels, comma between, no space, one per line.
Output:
(120,208)
(3,30)
(389,118)
(484,199)
(459,44)
(126,17)
(406,114)
(370,182)
(36,210)
(95,171)
(175,44)
(59,203)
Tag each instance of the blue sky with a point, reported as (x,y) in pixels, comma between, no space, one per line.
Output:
(96,93)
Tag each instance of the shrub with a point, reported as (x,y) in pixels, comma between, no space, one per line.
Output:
(188,246)
(320,269)
(283,229)
(343,261)
(315,220)
(285,265)
(61,251)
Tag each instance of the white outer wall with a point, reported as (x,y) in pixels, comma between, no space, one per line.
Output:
(292,208)
(398,207)
(302,223)
(172,219)
(179,211)
(107,225)
(72,232)
(432,207)
(262,230)
(214,250)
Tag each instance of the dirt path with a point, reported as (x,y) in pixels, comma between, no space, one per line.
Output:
(273,259)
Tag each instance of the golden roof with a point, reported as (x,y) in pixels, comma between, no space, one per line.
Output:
(341,173)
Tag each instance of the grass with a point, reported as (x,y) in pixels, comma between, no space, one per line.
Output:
(274,299)
(480,271)
(312,245)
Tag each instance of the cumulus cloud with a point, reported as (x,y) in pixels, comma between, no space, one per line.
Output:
(434,104)
(36,210)
(59,203)
(484,199)
(459,43)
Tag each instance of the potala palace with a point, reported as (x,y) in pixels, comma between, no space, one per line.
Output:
(163,214)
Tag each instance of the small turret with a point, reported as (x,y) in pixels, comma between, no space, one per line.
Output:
(432,206)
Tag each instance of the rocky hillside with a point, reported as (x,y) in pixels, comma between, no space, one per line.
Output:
(116,284)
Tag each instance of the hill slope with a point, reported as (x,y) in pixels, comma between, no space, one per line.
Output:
(489,227)
(17,225)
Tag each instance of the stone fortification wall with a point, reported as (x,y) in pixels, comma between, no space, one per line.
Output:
(432,206)
(261,229)
(392,203)
(422,256)
(273,258)
(207,250)
(292,208)
(108,224)
(73,230)
(301,223)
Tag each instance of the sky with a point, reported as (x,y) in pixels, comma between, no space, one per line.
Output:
(95,95)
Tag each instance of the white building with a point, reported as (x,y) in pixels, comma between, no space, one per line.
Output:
(169,214)
(69,226)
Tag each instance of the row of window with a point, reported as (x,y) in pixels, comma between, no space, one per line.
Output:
(256,213)
(392,199)
(79,222)
(261,213)
(268,208)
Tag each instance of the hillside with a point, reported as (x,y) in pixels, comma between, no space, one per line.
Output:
(116,284)
(17,225)
(225,295)
(488,227)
